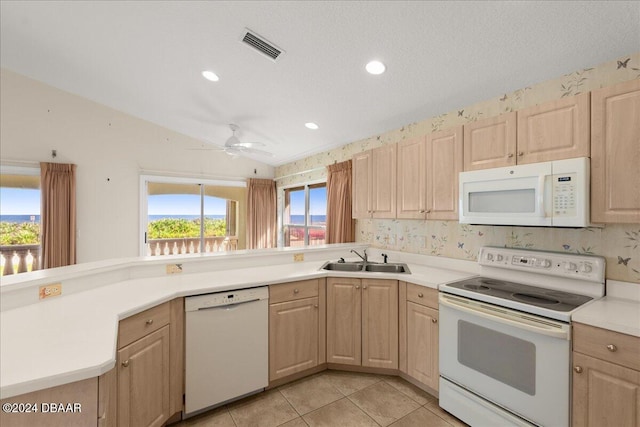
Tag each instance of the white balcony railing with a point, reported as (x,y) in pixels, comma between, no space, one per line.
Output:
(185,246)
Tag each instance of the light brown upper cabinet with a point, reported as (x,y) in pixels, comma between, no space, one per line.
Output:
(428,170)
(374,183)
(554,130)
(490,143)
(615,153)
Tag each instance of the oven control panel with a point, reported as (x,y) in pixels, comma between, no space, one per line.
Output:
(583,267)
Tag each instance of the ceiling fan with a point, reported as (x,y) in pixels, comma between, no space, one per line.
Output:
(235,147)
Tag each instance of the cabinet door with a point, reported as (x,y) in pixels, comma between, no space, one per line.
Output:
(411,189)
(293,337)
(383,175)
(380,323)
(604,394)
(143,381)
(554,130)
(344,321)
(615,154)
(422,344)
(361,185)
(444,163)
(490,143)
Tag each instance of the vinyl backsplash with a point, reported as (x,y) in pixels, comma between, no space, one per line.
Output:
(618,243)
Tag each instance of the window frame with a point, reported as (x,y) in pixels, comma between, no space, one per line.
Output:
(168,179)
(306,186)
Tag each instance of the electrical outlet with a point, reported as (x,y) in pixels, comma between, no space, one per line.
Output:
(174,268)
(52,290)
(298,257)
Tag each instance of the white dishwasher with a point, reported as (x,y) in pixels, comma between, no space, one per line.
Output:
(226,348)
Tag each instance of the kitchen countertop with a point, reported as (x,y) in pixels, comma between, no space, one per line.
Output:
(618,311)
(74,337)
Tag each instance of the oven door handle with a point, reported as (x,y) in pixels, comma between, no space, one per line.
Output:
(530,323)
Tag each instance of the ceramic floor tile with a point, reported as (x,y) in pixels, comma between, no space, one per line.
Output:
(219,417)
(384,403)
(311,393)
(421,417)
(297,422)
(350,382)
(343,413)
(267,409)
(436,409)
(411,391)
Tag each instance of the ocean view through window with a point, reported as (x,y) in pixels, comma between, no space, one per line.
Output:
(20,229)
(304,215)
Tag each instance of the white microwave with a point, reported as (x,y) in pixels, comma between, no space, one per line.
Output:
(548,194)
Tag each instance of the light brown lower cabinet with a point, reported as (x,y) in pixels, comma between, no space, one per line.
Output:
(296,327)
(362,322)
(419,334)
(606,378)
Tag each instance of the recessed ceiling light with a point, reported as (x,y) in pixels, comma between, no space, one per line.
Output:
(210,75)
(375,67)
(311,125)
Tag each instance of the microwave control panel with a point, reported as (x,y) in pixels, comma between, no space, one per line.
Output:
(564,195)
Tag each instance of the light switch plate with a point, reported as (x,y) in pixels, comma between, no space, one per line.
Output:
(298,257)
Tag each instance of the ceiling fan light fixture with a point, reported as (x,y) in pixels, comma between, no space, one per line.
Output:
(311,125)
(210,75)
(375,68)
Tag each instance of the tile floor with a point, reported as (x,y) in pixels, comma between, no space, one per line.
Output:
(332,398)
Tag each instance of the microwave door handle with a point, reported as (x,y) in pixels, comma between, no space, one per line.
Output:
(506,320)
(541,193)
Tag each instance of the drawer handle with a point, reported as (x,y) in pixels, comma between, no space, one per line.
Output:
(420,295)
(295,291)
(612,347)
(578,369)
(125,363)
(520,154)
(434,320)
(510,155)
(149,322)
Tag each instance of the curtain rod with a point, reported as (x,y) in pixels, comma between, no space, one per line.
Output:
(301,172)
(188,175)
(7,162)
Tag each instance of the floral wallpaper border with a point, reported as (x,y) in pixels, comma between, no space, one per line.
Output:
(618,243)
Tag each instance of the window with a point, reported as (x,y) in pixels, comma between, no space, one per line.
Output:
(305,215)
(185,216)
(19,220)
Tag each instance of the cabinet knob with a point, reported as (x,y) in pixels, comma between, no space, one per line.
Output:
(510,155)
(357,286)
(420,295)
(578,369)
(434,320)
(125,363)
(428,210)
(315,306)
(295,291)
(521,153)
(149,322)
(612,347)
(364,287)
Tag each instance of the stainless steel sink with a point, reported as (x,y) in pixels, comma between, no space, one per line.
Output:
(387,268)
(370,268)
(342,266)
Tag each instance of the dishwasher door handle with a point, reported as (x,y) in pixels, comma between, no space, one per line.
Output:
(228,306)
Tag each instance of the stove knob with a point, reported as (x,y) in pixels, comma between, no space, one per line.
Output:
(586,268)
(546,263)
(500,257)
(490,257)
(570,266)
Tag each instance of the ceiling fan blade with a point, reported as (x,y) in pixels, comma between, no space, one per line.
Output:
(256,151)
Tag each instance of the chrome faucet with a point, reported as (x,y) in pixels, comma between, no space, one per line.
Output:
(364,258)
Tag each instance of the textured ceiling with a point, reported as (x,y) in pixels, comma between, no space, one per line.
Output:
(145,58)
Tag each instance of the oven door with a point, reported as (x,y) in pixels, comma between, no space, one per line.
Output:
(517,361)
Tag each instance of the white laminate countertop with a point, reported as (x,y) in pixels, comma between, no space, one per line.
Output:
(73,337)
(618,311)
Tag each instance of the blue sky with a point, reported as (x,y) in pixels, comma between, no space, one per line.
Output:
(317,201)
(18,201)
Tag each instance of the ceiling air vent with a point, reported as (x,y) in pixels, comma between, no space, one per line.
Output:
(261,45)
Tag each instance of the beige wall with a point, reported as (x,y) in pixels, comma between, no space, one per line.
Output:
(111,149)
(618,243)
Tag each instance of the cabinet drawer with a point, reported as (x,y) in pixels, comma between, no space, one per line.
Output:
(422,295)
(607,345)
(293,291)
(137,326)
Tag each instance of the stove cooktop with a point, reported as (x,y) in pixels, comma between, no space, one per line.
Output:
(531,295)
